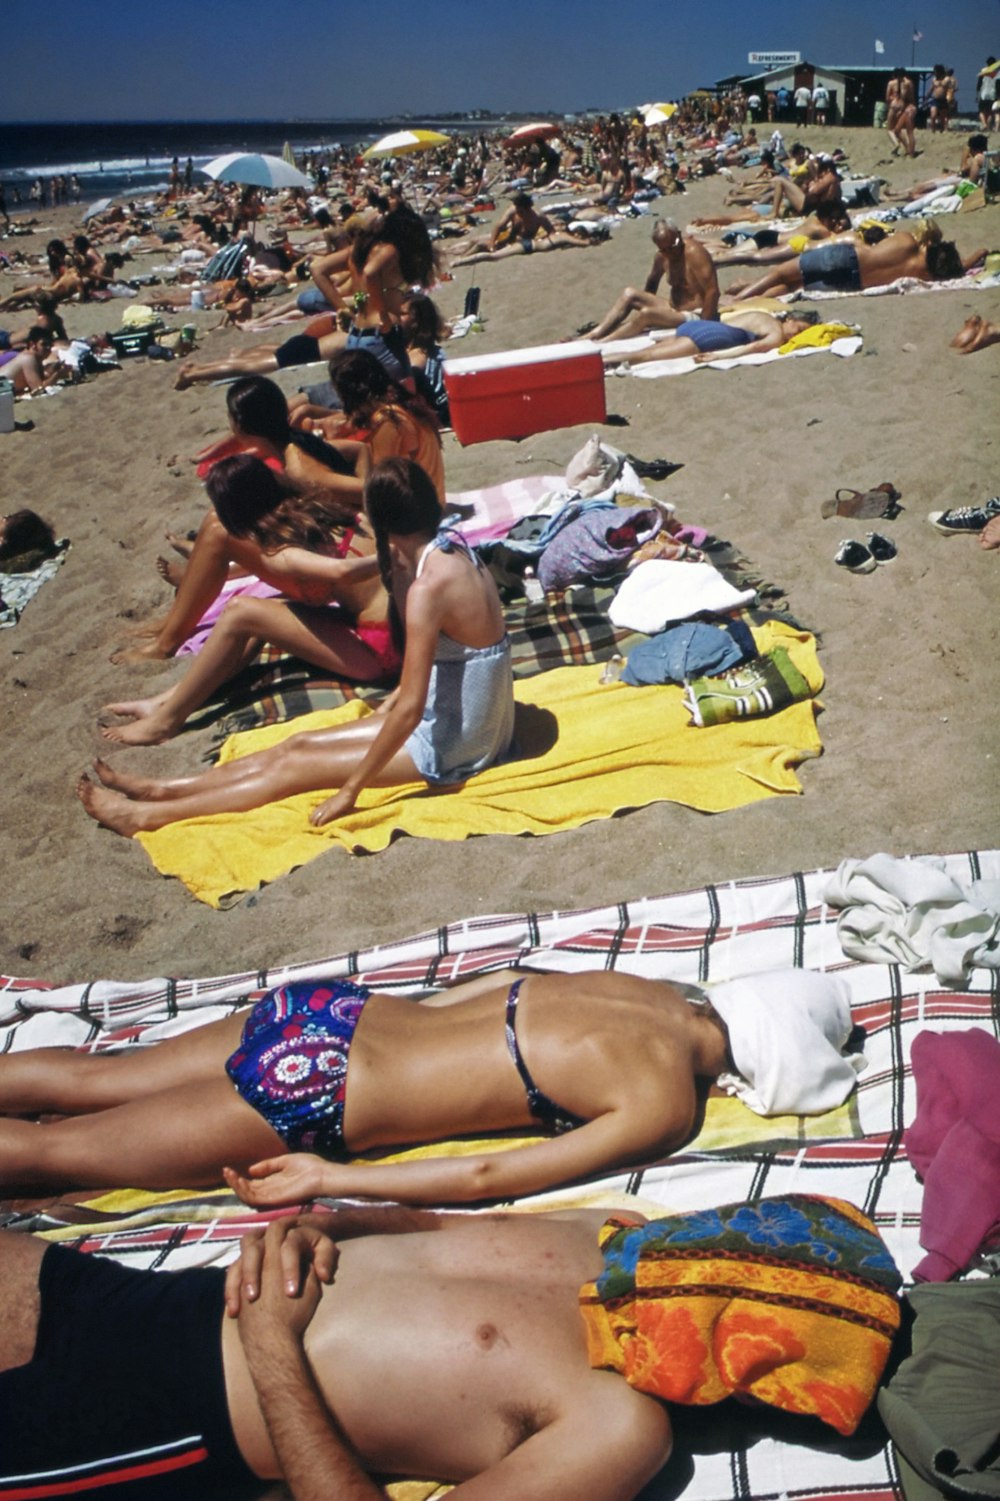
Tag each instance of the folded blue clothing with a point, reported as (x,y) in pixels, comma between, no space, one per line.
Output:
(692,648)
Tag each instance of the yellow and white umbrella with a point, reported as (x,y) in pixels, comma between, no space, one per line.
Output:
(403,142)
(658,114)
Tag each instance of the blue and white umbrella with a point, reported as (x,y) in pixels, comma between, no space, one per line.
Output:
(257,170)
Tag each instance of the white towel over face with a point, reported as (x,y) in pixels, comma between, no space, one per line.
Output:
(787,1029)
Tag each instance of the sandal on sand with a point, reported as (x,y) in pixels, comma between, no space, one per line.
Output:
(882,502)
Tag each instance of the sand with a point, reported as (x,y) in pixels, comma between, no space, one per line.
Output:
(909,720)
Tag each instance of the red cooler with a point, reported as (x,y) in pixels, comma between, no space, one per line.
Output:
(525,391)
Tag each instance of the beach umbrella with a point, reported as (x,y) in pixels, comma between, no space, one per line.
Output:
(404,142)
(541,130)
(658,114)
(97,208)
(287,154)
(256,170)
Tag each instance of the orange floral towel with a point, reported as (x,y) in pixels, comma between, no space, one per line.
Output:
(792,1301)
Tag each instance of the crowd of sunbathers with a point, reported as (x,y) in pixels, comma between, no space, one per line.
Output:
(324,538)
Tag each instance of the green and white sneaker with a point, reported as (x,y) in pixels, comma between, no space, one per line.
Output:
(763,686)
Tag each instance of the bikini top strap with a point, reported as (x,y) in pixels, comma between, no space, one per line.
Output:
(510,1027)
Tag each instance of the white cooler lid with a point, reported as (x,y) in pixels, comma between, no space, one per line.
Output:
(541,354)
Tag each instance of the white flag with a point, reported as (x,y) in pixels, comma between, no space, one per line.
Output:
(879,46)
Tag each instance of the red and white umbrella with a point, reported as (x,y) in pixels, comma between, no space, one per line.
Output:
(541,130)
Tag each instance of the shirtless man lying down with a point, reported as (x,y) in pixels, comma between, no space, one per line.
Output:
(840,266)
(705,339)
(466,1350)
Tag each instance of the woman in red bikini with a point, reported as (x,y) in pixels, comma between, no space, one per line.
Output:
(337,615)
(332,471)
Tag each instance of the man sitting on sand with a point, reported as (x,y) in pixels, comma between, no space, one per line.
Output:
(841,266)
(691,279)
(483,1350)
(521,231)
(705,339)
(818,194)
(26,367)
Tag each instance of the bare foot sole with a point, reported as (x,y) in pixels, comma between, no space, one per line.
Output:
(140,788)
(171,571)
(108,808)
(125,656)
(989,537)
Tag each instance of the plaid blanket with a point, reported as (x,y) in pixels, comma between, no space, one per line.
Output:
(568,629)
(704,935)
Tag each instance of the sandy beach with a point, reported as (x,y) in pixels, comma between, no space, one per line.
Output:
(910,718)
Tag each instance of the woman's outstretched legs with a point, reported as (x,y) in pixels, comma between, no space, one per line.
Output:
(260,360)
(72,1083)
(316,635)
(177,1138)
(314,761)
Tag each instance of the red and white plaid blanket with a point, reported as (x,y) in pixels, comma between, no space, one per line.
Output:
(705,935)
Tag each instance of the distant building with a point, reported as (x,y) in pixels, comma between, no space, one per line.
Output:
(854,91)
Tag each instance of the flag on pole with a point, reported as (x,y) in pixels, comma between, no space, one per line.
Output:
(879,46)
(918,36)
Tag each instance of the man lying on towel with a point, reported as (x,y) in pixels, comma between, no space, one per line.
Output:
(706,339)
(477,1349)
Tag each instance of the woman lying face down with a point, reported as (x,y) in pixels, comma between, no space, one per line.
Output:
(611,1067)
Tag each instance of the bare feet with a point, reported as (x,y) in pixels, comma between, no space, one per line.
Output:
(142,789)
(150,723)
(171,571)
(989,537)
(974,334)
(108,808)
(184,376)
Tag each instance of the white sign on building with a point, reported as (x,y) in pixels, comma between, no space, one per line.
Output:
(774,59)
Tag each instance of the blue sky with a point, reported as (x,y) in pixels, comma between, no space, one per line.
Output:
(273,59)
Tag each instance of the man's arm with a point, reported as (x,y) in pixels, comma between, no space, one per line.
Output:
(702,270)
(605,1444)
(655,273)
(315,1459)
(500,226)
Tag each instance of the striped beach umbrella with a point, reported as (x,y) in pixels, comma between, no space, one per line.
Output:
(403,142)
(659,114)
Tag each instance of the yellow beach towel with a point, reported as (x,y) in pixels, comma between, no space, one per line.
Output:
(818,337)
(587,751)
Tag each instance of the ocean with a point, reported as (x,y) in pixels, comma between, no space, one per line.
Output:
(129,159)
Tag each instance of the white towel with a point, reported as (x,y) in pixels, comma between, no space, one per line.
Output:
(911,912)
(787,1029)
(660,591)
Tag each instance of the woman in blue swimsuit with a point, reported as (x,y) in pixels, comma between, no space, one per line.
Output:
(451,716)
